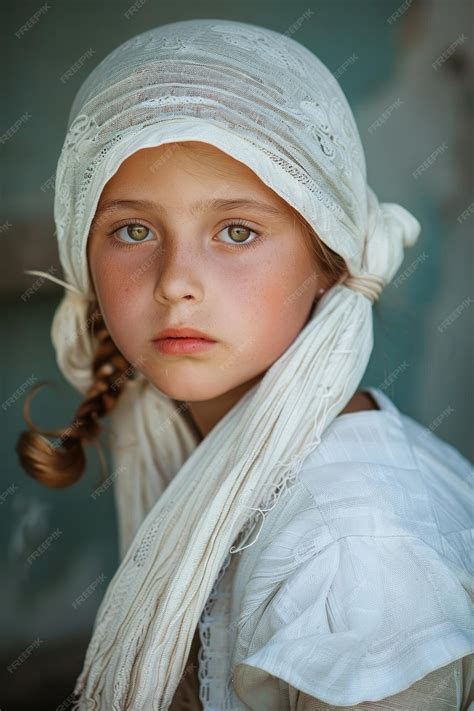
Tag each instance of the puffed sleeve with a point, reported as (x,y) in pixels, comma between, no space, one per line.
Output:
(361,619)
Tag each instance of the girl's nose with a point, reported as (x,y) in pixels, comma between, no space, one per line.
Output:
(180,273)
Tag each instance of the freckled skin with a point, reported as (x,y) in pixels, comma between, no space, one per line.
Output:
(189,270)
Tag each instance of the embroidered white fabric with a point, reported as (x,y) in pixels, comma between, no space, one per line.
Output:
(360,585)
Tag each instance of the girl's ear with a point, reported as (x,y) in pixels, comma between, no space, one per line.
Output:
(320,293)
(328,284)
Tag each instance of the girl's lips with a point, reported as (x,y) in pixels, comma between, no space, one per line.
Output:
(183,346)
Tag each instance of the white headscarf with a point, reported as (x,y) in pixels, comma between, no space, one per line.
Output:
(269,102)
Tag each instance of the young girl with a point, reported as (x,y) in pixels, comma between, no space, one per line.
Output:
(287,541)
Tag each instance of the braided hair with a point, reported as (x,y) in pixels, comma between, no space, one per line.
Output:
(61,464)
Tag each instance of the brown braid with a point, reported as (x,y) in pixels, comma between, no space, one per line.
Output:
(62,464)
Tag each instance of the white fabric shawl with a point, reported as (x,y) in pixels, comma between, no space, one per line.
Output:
(269,102)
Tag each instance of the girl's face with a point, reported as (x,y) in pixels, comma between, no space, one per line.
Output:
(182,252)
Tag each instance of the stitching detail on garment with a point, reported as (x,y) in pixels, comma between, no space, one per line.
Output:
(210,617)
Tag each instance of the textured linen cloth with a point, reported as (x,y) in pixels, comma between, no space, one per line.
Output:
(359,589)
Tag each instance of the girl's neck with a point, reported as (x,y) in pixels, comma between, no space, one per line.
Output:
(203,416)
(206,414)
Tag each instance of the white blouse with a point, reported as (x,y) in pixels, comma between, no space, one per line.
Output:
(360,583)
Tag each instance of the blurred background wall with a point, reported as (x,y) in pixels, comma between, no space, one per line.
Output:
(407,70)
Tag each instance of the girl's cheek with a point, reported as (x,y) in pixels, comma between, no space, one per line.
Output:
(113,268)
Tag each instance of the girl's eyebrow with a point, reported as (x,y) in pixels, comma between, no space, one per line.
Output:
(197,207)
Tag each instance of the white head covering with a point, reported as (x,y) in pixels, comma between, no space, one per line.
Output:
(269,102)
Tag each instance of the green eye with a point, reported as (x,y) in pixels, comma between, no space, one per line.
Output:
(239,234)
(136,231)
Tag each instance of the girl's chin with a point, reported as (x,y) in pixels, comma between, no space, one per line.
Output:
(192,393)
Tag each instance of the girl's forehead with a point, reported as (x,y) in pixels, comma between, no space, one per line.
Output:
(193,160)
(198,152)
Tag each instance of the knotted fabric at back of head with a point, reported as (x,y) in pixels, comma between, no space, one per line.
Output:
(269,102)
